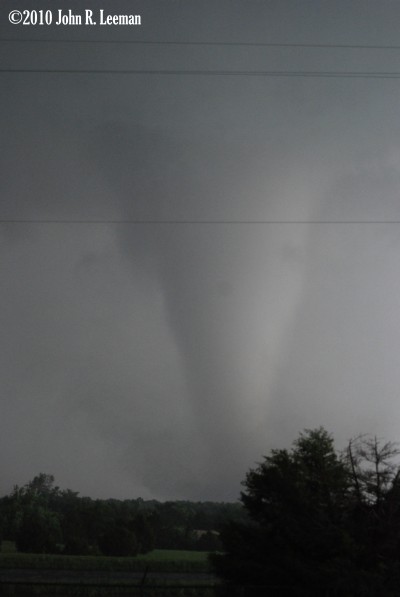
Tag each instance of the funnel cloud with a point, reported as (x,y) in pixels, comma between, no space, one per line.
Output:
(194,268)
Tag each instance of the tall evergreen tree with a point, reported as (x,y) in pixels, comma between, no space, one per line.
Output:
(318,522)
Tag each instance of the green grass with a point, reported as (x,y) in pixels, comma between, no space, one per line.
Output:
(176,555)
(156,561)
(159,560)
(109,591)
(8,547)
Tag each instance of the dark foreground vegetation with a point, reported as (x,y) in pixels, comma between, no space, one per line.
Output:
(58,543)
(319,523)
(312,522)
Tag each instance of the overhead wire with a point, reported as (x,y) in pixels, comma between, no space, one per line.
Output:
(197,222)
(209,72)
(203,43)
(205,72)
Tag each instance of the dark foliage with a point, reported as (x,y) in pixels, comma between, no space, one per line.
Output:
(39,531)
(42,518)
(118,541)
(319,523)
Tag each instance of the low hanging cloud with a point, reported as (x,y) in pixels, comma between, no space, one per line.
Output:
(163,360)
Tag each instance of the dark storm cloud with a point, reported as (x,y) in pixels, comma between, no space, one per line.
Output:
(163,360)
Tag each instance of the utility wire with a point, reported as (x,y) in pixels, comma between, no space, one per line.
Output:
(220,73)
(203,43)
(199,222)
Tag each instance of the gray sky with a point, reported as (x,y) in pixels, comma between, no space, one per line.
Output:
(163,360)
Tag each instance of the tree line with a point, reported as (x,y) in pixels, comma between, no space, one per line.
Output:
(42,518)
(311,521)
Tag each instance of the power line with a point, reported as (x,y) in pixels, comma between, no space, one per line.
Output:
(221,73)
(200,222)
(203,43)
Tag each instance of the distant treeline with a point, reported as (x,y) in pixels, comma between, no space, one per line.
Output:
(42,518)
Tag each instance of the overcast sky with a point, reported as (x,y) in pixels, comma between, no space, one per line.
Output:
(163,360)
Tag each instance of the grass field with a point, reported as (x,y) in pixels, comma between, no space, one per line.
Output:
(158,560)
(168,555)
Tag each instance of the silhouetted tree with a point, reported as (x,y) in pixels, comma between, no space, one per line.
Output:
(318,522)
(39,531)
(118,541)
(376,493)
